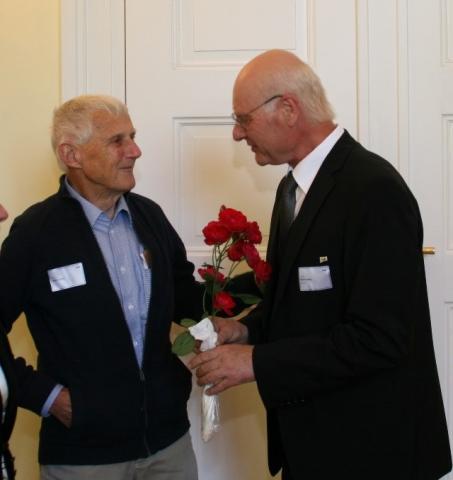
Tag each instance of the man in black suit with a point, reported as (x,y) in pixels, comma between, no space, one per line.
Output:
(101,274)
(341,346)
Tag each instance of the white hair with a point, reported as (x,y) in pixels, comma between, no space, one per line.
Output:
(73,120)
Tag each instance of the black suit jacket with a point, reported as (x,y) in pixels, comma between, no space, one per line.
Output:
(348,373)
(8,366)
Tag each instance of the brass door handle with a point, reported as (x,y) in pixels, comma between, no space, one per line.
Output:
(429,250)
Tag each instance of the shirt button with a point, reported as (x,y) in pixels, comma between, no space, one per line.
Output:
(130,307)
(122,269)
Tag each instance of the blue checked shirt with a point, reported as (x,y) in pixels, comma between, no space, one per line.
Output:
(128,269)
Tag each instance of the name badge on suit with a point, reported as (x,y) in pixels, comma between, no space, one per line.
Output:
(315,278)
(66,277)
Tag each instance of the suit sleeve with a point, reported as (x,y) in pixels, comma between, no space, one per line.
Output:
(384,295)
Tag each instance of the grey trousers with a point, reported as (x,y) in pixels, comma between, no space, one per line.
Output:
(176,462)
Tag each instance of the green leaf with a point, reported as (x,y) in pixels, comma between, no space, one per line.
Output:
(184,343)
(247,298)
(187,322)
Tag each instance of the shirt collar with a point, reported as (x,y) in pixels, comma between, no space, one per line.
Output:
(305,171)
(91,211)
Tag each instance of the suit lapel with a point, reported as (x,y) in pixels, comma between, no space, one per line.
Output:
(322,185)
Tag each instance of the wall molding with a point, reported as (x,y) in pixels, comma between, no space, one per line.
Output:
(93,49)
(186,56)
(382,80)
(447,33)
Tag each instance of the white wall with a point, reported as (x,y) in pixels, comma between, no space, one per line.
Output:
(29,90)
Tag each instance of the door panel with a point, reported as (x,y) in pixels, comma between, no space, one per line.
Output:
(431,142)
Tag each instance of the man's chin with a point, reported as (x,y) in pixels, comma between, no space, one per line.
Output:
(128,181)
(125,187)
(261,160)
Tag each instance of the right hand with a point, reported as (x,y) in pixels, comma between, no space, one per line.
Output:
(62,408)
(230,331)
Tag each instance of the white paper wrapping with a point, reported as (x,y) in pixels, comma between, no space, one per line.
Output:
(210,415)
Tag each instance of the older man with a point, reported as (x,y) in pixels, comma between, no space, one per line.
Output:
(341,348)
(100,274)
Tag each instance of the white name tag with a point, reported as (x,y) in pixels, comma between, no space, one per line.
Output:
(314,278)
(66,277)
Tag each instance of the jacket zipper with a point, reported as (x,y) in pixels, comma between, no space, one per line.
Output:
(145,412)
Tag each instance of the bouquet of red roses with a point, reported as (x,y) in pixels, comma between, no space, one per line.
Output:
(233,238)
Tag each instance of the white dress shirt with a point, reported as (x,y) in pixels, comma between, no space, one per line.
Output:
(305,171)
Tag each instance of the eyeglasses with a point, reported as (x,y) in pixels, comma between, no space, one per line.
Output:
(244,119)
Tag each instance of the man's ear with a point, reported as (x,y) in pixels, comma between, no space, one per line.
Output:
(69,155)
(291,110)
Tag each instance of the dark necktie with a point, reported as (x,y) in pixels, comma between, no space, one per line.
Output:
(287,206)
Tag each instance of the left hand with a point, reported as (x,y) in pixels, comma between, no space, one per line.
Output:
(224,367)
(62,408)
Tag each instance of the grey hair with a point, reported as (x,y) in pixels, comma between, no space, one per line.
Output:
(73,120)
(302,81)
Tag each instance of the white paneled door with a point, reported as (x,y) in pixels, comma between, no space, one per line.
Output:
(430,63)
(387,66)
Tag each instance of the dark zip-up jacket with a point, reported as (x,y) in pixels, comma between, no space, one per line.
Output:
(121,411)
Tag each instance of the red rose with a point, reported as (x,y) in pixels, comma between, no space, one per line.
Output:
(215,233)
(262,271)
(232,219)
(210,273)
(252,232)
(235,252)
(251,254)
(224,301)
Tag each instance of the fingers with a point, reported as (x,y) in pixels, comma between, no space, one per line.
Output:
(62,408)
(208,367)
(229,331)
(219,387)
(196,349)
(201,358)
(210,378)
(224,367)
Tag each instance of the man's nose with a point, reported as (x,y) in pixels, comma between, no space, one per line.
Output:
(238,132)
(134,150)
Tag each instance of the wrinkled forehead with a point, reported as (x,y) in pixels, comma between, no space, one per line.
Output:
(245,96)
(100,118)
(250,88)
(105,122)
